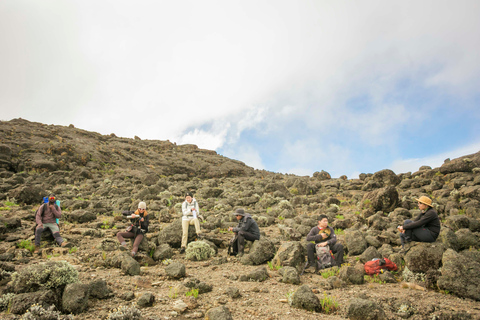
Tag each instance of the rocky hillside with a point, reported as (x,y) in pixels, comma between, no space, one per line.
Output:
(97,176)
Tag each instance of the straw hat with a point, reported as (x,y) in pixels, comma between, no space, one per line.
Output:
(425,200)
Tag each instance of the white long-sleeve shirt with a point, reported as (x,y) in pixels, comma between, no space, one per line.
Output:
(187,209)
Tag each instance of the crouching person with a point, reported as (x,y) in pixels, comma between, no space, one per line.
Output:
(247,229)
(137,228)
(46,218)
(323,235)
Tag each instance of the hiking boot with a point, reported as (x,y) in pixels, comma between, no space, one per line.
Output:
(37,249)
(200,236)
(309,265)
(406,247)
(66,244)
(133,254)
(123,247)
(239,255)
(182,250)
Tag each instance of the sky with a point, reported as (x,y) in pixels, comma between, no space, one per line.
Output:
(296,87)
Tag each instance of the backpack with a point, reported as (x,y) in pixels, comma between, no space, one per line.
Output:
(325,258)
(377,266)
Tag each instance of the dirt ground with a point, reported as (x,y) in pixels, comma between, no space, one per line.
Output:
(258,300)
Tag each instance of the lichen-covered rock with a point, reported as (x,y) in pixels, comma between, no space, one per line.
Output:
(172,234)
(130,266)
(353,275)
(79,216)
(370,254)
(162,252)
(460,274)
(290,254)
(424,256)
(175,270)
(355,242)
(304,298)
(259,274)
(218,313)
(290,275)
(263,250)
(384,199)
(20,303)
(99,289)
(466,239)
(364,309)
(75,298)
(146,300)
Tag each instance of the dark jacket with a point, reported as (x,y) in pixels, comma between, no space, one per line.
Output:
(428,219)
(143,226)
(249,225)
(315,235)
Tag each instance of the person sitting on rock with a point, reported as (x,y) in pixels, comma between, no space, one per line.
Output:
(137,229)
(247,229)
(424,228)
(323,235)
(46,218)
(191,213)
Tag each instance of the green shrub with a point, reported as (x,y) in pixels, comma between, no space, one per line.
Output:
(125,313)
(198,251)
(329,304)
(294,191)
(192,293)
(52,274)
(6,300)
(37,312)
(27,244)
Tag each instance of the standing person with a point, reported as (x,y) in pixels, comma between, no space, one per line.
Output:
(424,228)
(190,211)
(137,229)
(247,229)
(323,235)
(45,218)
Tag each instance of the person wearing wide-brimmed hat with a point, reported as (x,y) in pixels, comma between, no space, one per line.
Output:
(424,228)
(247,229)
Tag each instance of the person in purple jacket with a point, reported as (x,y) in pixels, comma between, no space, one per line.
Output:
(46,218)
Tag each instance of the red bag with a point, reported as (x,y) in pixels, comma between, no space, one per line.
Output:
(377,266)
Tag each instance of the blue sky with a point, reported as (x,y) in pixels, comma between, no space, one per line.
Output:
(286,86)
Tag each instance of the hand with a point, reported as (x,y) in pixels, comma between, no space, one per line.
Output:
(40,226)
(324,235)
(400,228)
(133,215)
(51,206)
(230,229)
(141,220)
(323,244)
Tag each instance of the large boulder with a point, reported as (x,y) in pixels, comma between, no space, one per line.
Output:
(353,275)
(22,302)
(424,256)
(462,164)
(263,250)
(99,289)
(260,274)
(175,270)
(162,252)
(304,298)
(79,216)
(129,265)
(386,177)
(75,298)
(290,275)
(355,242)
(290,254)
(466,239)
(370,254)
(460,274)
(172,234)
(383,199)
(365,309)
(218,313)
(449,239)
